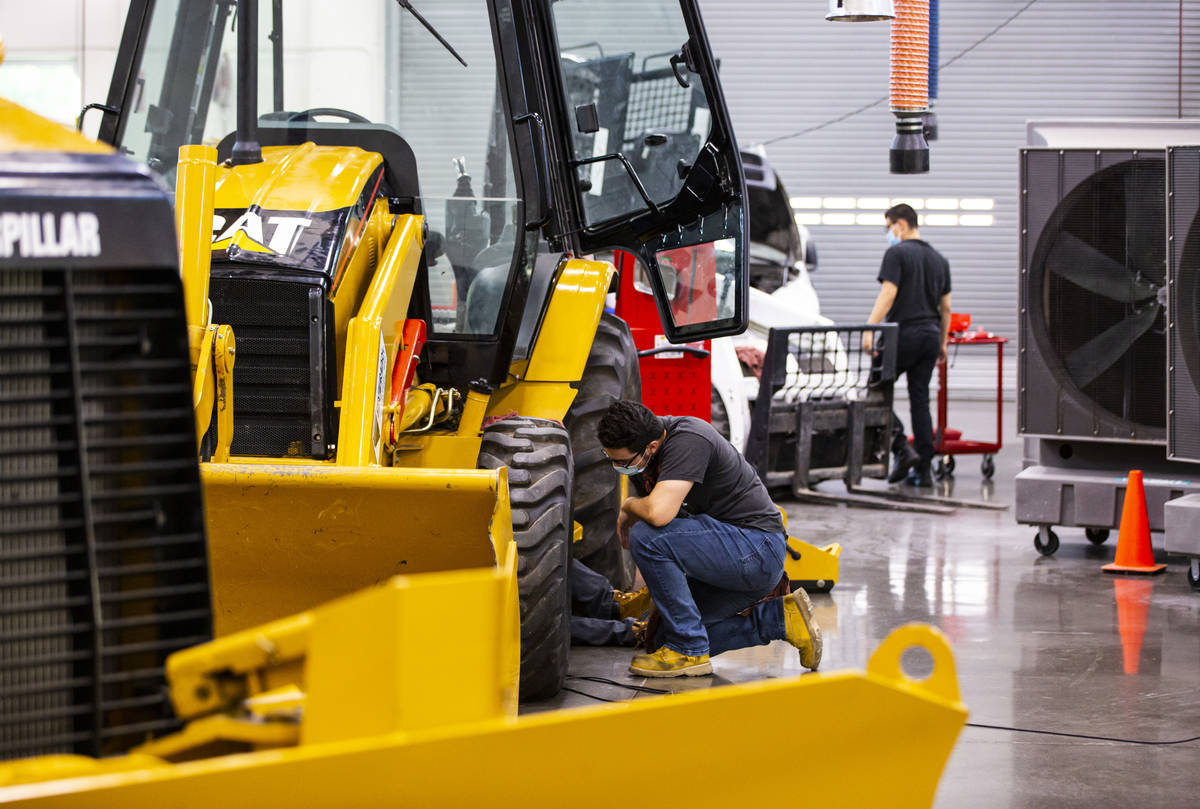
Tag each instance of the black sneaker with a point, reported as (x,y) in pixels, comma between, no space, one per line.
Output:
(922,476)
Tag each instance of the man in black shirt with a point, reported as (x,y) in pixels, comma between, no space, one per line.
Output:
(915,293)
(708,541)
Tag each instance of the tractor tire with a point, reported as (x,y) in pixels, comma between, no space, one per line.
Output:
(720,416)
(538,456)
(611,373)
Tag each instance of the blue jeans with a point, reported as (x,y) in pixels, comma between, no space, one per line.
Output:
(595,616)
(701,572)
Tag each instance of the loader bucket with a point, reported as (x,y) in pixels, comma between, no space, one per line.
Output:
(844,739)
(285,538)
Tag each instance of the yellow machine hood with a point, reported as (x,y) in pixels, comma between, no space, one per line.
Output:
(26,131)
(295,208)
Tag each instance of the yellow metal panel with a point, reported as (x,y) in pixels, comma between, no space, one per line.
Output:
(569,327)
(26,131)
(284,538)
(421,653)
(221,735)
(297,178)
(366,378)
(883,741)
(54,768)
(363,256)
(437,451)
(540,400)
(296,460)
(356,659)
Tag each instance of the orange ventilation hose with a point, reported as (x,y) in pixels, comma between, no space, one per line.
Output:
(910,56)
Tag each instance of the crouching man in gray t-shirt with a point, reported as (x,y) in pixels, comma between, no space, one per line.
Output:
(708,541)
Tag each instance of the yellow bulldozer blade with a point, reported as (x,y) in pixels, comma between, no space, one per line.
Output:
(843,739)
(284,538)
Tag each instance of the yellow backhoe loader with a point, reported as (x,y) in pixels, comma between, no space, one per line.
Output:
(383,314)
(334,608)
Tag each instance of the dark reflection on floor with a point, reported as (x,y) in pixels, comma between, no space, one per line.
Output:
(1043,643)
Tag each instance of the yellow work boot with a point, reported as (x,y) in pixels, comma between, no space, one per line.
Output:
(632,603)
(669,663)
(801,628)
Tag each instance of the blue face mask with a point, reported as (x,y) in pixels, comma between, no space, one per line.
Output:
(632,470)
(892,238)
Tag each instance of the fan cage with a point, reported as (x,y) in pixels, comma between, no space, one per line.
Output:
(1183,367)
(1113,202)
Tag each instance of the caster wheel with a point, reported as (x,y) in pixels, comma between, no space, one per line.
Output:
(1048,545)
(944,468)
(1096,536)
(987,467)
(1193,574)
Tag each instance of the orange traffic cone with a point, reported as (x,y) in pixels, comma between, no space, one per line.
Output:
(1133,602)
(1134,554)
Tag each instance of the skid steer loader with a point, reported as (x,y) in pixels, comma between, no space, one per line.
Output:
(390,309)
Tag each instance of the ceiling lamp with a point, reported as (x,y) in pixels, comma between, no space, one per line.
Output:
(860,10)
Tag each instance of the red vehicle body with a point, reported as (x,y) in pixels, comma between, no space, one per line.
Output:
(676,379)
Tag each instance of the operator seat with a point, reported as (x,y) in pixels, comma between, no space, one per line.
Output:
(486,292)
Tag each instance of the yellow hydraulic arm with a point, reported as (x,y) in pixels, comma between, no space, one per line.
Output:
(212,346)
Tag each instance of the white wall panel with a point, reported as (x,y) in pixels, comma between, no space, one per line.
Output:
(60,54)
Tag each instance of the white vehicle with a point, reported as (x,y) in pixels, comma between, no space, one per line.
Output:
(782,255)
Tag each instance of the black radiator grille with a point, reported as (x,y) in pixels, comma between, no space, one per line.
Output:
(103,568)
(279,376)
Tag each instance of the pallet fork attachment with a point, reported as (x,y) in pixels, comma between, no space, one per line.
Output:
(821,414)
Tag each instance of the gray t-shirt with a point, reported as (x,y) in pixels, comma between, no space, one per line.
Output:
(725,488)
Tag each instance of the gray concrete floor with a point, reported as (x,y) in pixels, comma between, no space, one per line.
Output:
(1035,639)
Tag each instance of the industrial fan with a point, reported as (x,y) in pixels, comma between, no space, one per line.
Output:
(1093,295)
(1109,249)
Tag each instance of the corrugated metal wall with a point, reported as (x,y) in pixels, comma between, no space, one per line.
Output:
(785,69)
(443,110)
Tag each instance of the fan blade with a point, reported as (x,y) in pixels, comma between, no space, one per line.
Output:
(1104,350)
(1085,266)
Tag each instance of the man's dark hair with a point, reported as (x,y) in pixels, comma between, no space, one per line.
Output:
(628,425)
(902,213)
